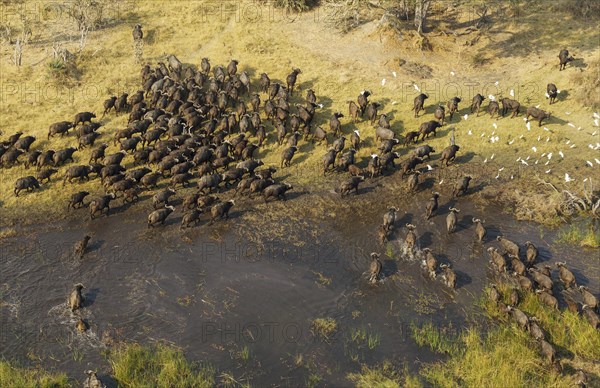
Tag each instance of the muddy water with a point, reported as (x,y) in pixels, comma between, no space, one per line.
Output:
(215,294)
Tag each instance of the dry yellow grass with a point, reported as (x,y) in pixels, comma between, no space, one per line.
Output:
(337,67)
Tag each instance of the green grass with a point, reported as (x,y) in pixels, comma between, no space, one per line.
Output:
(159,365)
(507,356)
(384,376)
(568,331)
(361,337)
(324,327)
(14,376)
(244,354)
(504,357)
(436,339)
(580,235)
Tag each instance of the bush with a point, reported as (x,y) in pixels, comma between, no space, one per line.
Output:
(63,71)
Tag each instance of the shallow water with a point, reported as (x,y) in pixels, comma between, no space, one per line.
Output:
(214,291)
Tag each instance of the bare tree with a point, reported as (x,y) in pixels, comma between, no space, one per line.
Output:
(87,15)
(21,40)
(421,8)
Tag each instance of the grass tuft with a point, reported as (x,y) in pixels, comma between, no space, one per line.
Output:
(383,376)
(324,327)
(159,365)
(13,376)
(438,340)
(578,235)
(505,357)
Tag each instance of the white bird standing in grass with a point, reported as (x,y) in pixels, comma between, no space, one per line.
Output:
(597,160)
(561,154)
(512,92)
(568,178)
(429,168)
(495,125)
(492,157)
(571,125)
(465,116)
(528,125)
(548,171)
(596,122)
(394,74)
(491,97)
(549,156)
(497,83)
(416,88)
(589,163)
(534,149)
(452,73)
(470,132)
(383,82)
(512,141)
(596,115)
